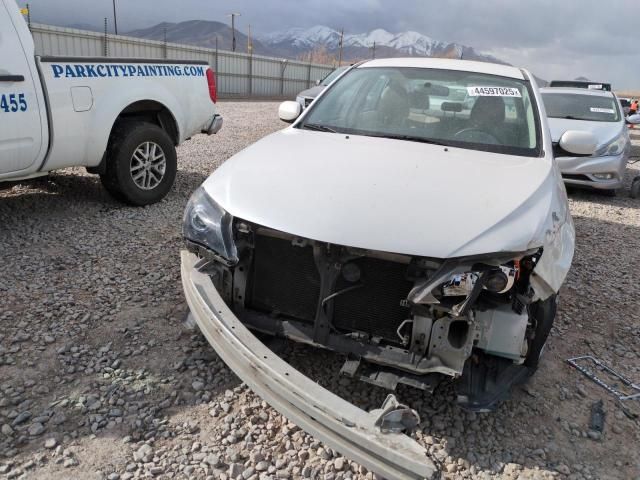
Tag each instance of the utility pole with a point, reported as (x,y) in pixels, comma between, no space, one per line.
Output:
(233,30)
(105,40)
(249,44)
(374,49)
(115,18)
(164,45)
(340,53)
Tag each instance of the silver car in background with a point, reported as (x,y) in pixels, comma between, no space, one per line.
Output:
(598,112)
(305,97)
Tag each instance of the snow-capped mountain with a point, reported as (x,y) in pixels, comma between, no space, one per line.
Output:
(296,41)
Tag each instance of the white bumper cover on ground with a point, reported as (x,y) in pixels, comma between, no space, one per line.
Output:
(334,421)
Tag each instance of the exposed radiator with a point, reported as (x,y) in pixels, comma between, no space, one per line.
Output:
(284,280)
(375,307)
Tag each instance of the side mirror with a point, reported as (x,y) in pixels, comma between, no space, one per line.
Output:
(289,111)
(318,82)
(578,142)
(634,119)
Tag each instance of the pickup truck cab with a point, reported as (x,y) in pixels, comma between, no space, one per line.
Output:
(119,118)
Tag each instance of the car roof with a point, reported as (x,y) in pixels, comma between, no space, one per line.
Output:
(447,64)
(577,91)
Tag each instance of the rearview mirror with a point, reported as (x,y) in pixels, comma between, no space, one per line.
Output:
(289,111)
(578,142)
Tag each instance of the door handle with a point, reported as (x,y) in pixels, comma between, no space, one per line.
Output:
(11,78)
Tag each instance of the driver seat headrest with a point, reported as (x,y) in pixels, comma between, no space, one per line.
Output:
(488,110)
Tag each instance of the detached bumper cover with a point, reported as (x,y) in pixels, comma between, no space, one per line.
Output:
(334,421)
(214,125)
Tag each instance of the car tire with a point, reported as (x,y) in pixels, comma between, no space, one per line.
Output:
(635,188)
(542,313)
(141,163)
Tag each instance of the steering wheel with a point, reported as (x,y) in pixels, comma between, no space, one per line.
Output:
(476,135)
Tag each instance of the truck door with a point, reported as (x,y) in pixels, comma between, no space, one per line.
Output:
(21,117)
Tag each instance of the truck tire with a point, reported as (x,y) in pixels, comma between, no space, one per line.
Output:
(141,163)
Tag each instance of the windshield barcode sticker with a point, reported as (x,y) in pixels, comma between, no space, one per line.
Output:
(602,110)
(493,92)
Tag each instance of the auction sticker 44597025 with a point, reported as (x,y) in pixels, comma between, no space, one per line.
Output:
(493,92)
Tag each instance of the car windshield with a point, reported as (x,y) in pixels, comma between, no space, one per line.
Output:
(575,106)
(581,84)
(447,107)
(332,76)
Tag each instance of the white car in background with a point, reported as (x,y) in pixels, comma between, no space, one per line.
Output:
(423,242)
(597,112)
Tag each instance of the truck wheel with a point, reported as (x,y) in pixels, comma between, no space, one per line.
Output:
(141,163)
(543,313)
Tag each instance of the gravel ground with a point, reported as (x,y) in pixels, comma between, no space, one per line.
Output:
(99,378)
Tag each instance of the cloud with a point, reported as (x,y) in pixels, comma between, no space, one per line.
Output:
(566,38)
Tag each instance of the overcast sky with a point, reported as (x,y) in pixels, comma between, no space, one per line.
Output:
(553,38)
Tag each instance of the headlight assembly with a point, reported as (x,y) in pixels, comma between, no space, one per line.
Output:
(497,280)
(207,224)
(614,147)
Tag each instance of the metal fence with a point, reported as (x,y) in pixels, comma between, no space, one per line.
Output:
(237,74)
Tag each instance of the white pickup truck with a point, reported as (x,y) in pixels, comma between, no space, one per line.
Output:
(119,118)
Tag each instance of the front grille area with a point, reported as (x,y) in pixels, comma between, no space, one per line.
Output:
(284,280)
(375,307)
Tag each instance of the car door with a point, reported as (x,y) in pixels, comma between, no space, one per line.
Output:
(21,125)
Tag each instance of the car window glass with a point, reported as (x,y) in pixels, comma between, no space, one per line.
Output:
(574,106)
(465,109)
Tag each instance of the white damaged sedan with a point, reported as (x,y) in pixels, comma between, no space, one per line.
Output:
(422,240)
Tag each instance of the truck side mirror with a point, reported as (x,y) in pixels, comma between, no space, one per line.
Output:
(289,111)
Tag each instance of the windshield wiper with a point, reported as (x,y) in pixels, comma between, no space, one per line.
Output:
(318,128)
(569,117)
(409,138)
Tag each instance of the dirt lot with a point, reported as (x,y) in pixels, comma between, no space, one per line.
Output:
(99,378)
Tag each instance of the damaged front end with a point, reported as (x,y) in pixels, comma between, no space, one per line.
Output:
(481,320)
(398,319)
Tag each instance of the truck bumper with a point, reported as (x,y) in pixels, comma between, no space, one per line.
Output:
(214,125)
(330,419)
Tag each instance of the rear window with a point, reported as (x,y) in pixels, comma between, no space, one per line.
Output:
(581,107)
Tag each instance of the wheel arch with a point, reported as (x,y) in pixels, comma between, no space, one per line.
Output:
(151,111)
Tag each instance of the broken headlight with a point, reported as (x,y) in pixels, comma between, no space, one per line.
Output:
(496,280)
(207,224)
